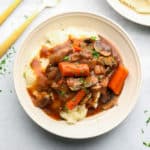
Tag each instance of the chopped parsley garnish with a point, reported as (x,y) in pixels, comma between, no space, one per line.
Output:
(145,111)
(86,90)
(62,93)
(95,54)
(148,121)
(25,16)
(100,77)
(82,80)
(24,75)
(3,66)
(93,38)
(65,109)
(66,58)
(48,41)
(82,71)
(5,60)
(147,144)
(142,131)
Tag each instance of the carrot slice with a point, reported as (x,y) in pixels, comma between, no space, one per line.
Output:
(45,52)
(71,69)
(76,48)
(117,81)
(76,45)
(76,100)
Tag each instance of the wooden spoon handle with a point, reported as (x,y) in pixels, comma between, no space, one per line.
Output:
(16,34)
(9,10)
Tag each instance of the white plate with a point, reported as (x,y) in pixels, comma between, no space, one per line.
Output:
(129,13)
(100,123)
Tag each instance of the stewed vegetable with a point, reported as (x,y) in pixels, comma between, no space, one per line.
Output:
(72,69)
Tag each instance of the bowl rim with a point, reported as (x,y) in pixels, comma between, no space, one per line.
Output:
(115,26)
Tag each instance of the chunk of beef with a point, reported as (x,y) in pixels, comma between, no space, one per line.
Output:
(74,84)
(84,61)
(75,56)
(110,103)
(59,55)
(86,54)
(90,81)
(96,87)
(92,63)
(42,99)
(108,61)
(104,82)
(51,72)
(106,95)
(99,69)
(55,86)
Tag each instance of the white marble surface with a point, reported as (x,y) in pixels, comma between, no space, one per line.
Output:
(18,132)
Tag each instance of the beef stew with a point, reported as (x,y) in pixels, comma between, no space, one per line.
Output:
(80,72)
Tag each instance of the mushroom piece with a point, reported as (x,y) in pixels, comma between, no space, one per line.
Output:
(97,45)
(105,53)
(86,99)
(96,96)
(102,48)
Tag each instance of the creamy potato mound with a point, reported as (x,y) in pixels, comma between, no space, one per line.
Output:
(72,116)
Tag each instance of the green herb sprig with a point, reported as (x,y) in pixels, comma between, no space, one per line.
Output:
(4,61)
(147,144)
(95,54)
(62,93)
(148,121)
(66,58)
(94,38)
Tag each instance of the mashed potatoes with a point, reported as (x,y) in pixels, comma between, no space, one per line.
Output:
(29,76)
(59,36)
(72,116)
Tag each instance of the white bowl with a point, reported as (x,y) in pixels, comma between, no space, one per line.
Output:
(102,122)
